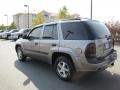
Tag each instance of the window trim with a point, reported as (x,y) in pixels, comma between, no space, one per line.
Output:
(44,30)
(36,28)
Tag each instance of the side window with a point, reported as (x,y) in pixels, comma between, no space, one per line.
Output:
(50,32)
(35,34)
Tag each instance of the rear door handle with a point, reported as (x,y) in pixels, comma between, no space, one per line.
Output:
(54,44)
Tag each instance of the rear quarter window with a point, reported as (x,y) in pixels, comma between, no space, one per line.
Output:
(98,29)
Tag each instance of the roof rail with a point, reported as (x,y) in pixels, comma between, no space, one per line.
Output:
(70,19)
(80,18)
(51,21)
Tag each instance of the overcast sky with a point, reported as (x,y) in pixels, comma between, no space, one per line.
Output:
(103,10)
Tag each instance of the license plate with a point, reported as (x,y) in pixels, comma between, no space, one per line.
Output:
(113,56)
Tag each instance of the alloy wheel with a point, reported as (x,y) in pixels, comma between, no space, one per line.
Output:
(63,69)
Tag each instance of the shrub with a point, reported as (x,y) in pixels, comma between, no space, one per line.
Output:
(114,27)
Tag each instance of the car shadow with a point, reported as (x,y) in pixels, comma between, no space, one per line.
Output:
(43,77)
(12,40)
(3,39)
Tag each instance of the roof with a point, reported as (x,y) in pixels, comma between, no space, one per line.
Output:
(65,21)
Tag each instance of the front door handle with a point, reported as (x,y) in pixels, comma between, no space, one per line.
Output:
(36,43)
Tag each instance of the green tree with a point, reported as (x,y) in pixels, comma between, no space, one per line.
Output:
(114,27)
(2,27)
(64,14)
(12,26)
(39,19)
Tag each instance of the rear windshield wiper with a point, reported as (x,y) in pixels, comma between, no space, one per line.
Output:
(68,33)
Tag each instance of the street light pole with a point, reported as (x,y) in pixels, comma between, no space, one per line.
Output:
(33,15)
(28,13)
(7,21)
(91,9)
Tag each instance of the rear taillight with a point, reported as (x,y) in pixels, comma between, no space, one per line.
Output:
(90,51)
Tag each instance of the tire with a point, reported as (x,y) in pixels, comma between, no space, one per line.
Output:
(7,37)
(64,68)
(20,36)
(21,56)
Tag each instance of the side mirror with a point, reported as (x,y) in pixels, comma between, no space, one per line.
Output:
(25,37)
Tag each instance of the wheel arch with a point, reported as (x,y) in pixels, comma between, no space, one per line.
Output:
(55,55)
(17,45)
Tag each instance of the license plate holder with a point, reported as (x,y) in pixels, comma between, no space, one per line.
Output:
(107,45)
(113,56)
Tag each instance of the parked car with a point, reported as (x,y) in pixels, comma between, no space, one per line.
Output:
(1,31)
(69,46)
(19,34)
(7,35)
(3,34)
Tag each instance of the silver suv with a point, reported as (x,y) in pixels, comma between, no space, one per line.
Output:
(69,46)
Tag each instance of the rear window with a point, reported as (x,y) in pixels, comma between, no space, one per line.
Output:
(98,29)
(14,31)
(84,30)
(74,31)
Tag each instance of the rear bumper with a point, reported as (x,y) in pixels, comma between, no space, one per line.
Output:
(4,36)
(107,61)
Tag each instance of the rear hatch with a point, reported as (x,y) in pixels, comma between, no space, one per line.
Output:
(102,36)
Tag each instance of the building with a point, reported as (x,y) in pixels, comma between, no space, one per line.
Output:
(49,16)
(21,20)
(77,16)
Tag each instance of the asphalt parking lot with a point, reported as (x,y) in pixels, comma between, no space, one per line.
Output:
(35,75)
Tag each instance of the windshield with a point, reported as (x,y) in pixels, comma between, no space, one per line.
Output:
(6,31)
(1,31)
